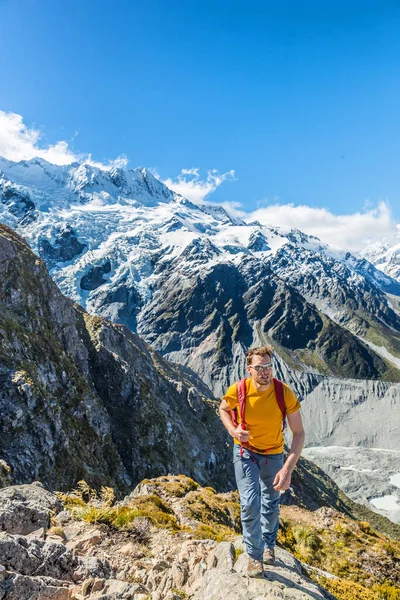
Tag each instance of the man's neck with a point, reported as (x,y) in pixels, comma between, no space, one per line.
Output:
(261,388)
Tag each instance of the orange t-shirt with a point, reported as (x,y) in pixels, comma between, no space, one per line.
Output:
(262,415)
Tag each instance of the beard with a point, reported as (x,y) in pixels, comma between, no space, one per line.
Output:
(265,380)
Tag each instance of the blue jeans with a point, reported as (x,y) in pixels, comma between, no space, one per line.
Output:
(259,502)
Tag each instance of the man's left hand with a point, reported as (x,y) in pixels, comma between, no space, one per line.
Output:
(282,480)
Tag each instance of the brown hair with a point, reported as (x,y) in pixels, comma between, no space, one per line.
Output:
(260,351)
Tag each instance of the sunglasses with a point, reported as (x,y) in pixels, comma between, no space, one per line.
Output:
(261,368)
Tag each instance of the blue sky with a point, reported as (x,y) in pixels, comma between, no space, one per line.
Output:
(301,100)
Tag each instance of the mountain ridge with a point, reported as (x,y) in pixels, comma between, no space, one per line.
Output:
(105,406)
(117,255)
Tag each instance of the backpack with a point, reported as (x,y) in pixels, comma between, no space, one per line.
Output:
(241,390)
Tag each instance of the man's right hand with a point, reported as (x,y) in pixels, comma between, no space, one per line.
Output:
(240,434)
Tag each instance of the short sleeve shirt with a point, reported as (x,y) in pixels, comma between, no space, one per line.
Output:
(263,416)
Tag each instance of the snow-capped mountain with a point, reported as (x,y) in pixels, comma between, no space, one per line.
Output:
(385,256)
(197,283)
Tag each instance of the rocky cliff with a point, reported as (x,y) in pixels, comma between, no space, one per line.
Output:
(82,398)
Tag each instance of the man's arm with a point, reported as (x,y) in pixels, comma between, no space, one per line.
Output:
(236,432)
(283,477)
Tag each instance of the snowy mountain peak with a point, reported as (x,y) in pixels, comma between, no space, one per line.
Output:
(111,238)
(385,256)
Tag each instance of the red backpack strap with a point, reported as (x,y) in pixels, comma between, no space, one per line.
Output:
(241,393)
(280,397)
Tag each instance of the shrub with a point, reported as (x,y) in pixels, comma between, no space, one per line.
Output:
(87,505)
(139,530)
(386,591)
(180,593)
(238,552)
(210,508)
(365,527)
(219,533)
(308,542)
(173,485)
(5,474)
(56,530)
(342,530)
(344,589)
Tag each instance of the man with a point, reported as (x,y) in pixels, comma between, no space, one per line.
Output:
(260,470)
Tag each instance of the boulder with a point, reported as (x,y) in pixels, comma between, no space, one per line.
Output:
(25,508)
(281,581)
(35,557)
(14,586)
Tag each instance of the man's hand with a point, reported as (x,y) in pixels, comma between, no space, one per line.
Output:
(282,480)
(241,434)
(238,433)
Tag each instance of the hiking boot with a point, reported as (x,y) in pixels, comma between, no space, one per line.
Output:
(269,556)
(255,568)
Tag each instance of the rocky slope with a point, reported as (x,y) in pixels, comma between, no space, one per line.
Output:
(367,475)
(81,398)
(173,540)
(198,284)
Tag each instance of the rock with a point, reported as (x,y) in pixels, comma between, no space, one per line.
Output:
(161,565)
(14,586)
(94,277)
(282,581)
(91,586)
(35,557)
(224,556)
(86,541)
(56,539)
(26,508)
(65,247)
(116,590)
(128,548)
(64,517)
(38,534)
(172,596)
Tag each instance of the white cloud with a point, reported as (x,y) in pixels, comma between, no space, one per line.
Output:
(352,231)
(19,142)
(191,186)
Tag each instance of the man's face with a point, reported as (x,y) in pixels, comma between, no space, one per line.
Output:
(261,376)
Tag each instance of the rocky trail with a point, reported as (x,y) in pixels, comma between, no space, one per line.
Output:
(46,554)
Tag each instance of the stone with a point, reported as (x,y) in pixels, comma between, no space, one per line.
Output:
(35,557)
(116,590)
(63,518)
(38,534)
(27,508)
(224,556)
(21,587)
(128,548)
(161,565)
(86,541)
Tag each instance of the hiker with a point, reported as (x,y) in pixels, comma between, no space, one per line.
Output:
(254,412)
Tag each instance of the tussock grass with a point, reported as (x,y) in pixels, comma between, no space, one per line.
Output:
(366,563)
(219,533)
(213,509)
(86,504)
(173,485)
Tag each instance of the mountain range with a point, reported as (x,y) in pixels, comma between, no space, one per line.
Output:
(81,397)
(198,284)
(201,285)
